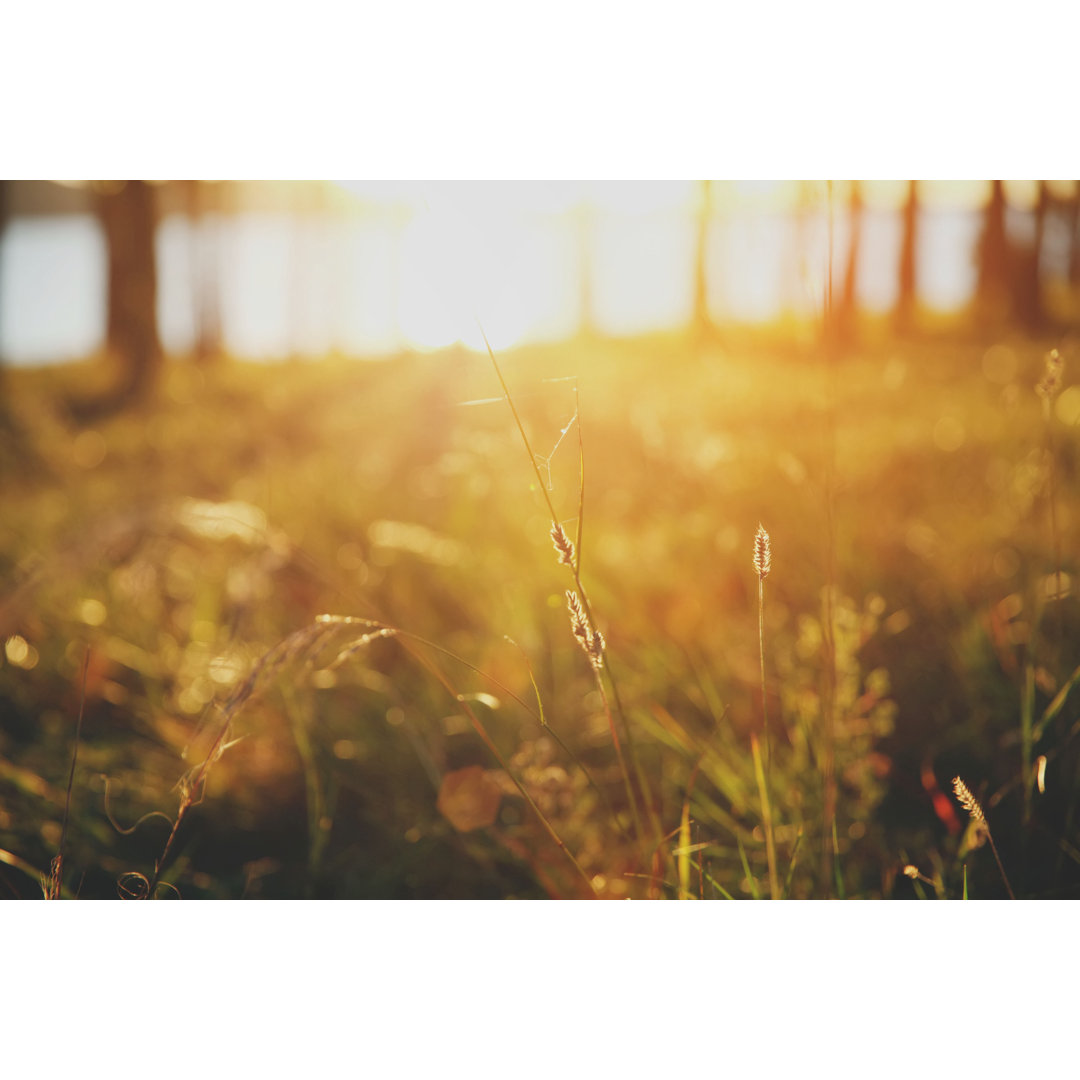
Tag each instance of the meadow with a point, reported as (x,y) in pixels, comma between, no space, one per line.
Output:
(305,627)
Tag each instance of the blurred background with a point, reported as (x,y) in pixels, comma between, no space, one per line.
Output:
(275,271)
(227,408)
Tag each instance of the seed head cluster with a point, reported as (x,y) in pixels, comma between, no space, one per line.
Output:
(762,553)
(563,544)
(591,641)
(967,800)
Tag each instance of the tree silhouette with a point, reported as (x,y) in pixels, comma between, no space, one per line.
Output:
(907,294)
(10,434)
(1072,219)
(127,213)
(847,311)
(992,257)
(205,278)
(1026,282)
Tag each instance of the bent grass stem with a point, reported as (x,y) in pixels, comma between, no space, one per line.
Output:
(576,573)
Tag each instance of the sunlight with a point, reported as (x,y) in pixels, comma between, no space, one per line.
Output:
(369,267)
(461,262)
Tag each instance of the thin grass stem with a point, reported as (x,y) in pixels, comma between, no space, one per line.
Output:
(56,871)
(766,819)
(583,596)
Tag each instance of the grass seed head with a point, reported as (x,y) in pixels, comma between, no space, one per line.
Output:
(592,642)
(967,800)
(595,650)
(563,544)
(762,553)
(578,623)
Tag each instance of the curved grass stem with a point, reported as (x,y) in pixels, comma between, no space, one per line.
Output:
(575,571)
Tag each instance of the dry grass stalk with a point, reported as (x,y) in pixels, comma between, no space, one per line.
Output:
(967,800)
(596,655)
(763,563)
(762,566)
(563,545)
(591,641)
(972,806)
(916,874)
(52,886)
(762,553)
(578,623)
(192,785)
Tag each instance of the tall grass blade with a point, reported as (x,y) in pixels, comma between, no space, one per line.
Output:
(791,867)
(766,819)
(1027,708)
(750,879)
(683,856)
(841,893)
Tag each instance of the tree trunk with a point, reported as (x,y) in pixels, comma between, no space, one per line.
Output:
(993,257)
(205,276)
(128,219)
(907,295)
(848,310)
(1027,286)
(9,435)
(703,324)
(1073,219)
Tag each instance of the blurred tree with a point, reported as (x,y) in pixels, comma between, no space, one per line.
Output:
(807,204)
(127,212)
(847,311)
(7,422)
(992,258)
(199,198)
(1026,260)
(1009,269)
(704,330)
(1072,217)
(907,294)
(14,446)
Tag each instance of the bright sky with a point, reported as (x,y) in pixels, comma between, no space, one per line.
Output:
(393,264)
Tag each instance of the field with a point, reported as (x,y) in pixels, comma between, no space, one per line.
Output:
(164,574)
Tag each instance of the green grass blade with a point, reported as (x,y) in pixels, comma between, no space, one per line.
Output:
(840,893)
(1055,706)
(1027,709)
(746,869)
(717,886)
(791,868)
(766,819)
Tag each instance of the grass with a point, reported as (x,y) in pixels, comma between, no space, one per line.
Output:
(193,547)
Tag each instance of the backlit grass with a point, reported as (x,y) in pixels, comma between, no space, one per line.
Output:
(182,546)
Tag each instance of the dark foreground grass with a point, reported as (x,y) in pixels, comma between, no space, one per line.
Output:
(183,545)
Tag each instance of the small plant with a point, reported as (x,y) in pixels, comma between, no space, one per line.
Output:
(973,807)
(762,566)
